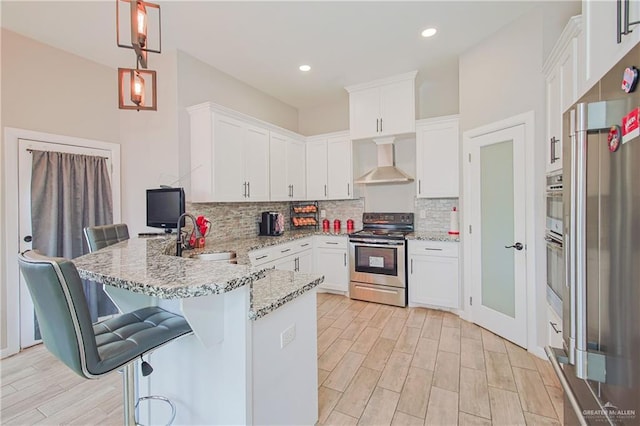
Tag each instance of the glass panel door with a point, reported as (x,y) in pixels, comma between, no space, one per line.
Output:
(497,227)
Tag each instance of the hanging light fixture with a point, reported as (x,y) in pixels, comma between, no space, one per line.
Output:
(139,22)
(137,89)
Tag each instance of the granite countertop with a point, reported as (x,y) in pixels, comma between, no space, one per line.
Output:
(148,266)
(433,236)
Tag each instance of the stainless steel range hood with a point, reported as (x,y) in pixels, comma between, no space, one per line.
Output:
(386,172)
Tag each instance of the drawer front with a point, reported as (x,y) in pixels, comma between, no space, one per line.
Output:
(432,248)
(331,242)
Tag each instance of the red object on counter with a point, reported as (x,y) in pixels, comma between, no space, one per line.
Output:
(325,225)
(336,225)
(349,225)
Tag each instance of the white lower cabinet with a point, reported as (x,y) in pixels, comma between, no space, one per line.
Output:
(332,261)
(433,274)
(329,258)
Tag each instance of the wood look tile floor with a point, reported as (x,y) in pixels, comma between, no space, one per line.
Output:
(377,365)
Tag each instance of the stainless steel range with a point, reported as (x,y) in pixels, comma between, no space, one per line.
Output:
(378,258)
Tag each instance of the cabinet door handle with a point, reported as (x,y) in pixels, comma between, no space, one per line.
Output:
(325,190)
(553,325)
(377,125)
(285,250)
(296,264)
(304,245)
(433,249)
(248,189)
(331,242)
(244,189)
(411,266)
(262,257)
(419,186)
(348,189)
(345,259)
(381,125)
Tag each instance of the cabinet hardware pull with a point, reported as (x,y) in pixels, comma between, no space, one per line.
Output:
(377,124)
(411,266)
(419,186)
(285,250)
(248,189)
(296,264)
(325,190)
(433,249)
(345,259)
(348,189)
(553,325)
(304,245)
(381,125)
(331,242)
(262,257)
(244,190)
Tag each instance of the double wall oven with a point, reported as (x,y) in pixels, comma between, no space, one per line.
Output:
(378,258)
(553,237)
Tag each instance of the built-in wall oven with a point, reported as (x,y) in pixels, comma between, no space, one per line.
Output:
(378,258)
(553,237)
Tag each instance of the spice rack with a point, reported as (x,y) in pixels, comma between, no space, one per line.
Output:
(304,215)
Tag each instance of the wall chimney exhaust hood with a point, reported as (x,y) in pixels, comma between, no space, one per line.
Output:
(386,171)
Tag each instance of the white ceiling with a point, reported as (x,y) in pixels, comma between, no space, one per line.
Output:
(263,43)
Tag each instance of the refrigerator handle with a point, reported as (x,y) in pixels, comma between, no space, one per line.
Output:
(578,242)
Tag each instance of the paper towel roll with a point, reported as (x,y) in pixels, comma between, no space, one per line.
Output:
(454,228)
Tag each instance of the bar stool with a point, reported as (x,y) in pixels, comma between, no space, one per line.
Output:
(93,350)
(105,235)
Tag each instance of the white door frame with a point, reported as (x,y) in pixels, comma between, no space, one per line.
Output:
(528,119)
(11,215)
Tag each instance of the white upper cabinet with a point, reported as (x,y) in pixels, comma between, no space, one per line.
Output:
(229,157)
(329,167)
(437,157)
(317,169)
(564,81)
(287,164)
(382,107)
(296,169)
(601,42)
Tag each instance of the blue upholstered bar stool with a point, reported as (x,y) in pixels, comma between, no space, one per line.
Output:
(93,350)
(105,235)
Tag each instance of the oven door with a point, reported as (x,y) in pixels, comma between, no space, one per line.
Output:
(554,213)
(378,262)
(555,273)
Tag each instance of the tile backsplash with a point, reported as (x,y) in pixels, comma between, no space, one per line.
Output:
(437,213)
(238,220)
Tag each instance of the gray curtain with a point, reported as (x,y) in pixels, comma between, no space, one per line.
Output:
(68,193)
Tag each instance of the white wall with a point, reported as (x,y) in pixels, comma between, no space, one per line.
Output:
(502,77)
(49,90)
(437,90)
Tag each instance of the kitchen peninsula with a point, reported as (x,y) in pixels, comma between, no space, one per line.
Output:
(252,358)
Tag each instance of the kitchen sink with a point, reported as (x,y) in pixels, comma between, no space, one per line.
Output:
(225,256)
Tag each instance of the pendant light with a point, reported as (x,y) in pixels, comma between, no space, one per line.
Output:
(139,22)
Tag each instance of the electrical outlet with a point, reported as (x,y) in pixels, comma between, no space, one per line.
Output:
(287,336)
(323,213)
(423,214)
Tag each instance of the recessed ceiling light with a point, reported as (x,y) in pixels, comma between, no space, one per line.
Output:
(305,68)
(429,32)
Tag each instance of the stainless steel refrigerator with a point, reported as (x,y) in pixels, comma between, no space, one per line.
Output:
(599,365)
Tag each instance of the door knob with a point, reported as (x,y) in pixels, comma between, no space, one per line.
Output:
(28,239)
(517,246)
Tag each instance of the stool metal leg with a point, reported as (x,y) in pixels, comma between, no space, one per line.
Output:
(128,381)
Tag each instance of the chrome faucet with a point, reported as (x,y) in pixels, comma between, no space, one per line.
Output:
(180,243)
